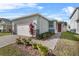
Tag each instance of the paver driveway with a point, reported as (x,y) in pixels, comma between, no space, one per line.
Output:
(50,43)
(6,40)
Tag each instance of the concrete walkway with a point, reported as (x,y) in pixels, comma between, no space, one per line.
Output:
(6,40)
(50,43)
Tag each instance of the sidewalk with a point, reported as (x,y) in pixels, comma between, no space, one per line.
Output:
(50,43)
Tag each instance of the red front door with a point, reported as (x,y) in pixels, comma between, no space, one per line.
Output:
(59,27)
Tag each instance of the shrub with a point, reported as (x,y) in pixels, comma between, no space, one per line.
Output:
(30,41)
(39,36)
(27,41)
(44,35)
(42,49)
(34,46)
(18,41)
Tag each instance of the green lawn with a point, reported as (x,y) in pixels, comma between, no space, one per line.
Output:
(68,45)
(10,50)
(70,36)
(4,33)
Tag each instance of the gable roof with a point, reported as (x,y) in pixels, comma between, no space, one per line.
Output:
(4,19)
(73,12)
(53,20)
(30,16)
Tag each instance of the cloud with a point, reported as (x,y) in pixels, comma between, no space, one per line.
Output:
(34,5)
(56,16)
(14,15)
(5,6)
(9,6)
(40,7)
(68,10)
(31,4)
(10,16)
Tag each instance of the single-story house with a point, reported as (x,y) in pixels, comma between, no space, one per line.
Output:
(5,25)
(55,26)
(35,23)
(74,21)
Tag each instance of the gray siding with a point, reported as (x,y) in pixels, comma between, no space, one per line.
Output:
(43,25)
(73,23)
(25,21)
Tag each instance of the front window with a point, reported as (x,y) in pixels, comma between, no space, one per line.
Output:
(51,30)
(73,30)
(51,25)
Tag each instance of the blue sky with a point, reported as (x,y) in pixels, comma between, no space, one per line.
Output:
(59,11)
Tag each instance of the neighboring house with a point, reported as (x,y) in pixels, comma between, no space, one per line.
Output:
(21,25)
(63,26)
(74,21)
(5,25)
(55,26)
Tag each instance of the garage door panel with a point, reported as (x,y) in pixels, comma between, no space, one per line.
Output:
(23,30)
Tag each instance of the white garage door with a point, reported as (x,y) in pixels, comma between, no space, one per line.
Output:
(23,30)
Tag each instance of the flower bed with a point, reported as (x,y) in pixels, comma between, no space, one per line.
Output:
(31,48)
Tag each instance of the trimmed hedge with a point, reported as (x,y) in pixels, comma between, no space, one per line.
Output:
(45,35)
